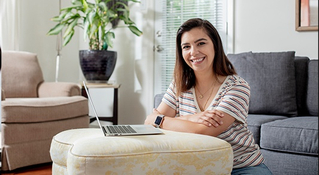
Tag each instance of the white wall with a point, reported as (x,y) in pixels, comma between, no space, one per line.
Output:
(258,26)
(35,22)
(264,26)
(134,68)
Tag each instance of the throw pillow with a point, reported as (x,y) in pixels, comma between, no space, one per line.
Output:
(271,76)
(312,96)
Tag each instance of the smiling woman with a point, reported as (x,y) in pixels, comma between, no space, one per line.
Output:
(201,65)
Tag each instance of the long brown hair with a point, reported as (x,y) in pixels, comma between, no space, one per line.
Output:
(184,75)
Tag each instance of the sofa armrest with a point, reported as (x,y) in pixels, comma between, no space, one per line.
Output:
(56,89)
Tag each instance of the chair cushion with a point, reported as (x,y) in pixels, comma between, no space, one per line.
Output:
(255,121)
(30,110)
(312,95)
(21,74)
(296,134)
(271,77)
(88,151)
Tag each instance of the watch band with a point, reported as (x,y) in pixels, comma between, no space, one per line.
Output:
(159,120)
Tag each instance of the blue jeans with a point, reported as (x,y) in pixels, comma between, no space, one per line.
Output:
(261,169)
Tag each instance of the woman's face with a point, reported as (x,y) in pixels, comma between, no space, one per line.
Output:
(198,50)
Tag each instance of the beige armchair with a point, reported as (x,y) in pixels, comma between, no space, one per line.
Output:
(33,111)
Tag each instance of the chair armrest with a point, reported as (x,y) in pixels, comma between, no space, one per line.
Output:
(3,97)
(56,89)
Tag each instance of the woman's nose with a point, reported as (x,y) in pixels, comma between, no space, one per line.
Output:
(194,51)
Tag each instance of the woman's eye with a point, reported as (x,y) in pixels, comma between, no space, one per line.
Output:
(201,43)
(185,47)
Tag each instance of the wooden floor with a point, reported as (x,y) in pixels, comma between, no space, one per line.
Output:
(43,169)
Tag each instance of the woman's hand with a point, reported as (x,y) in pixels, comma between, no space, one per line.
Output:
(150,119)
(208,118)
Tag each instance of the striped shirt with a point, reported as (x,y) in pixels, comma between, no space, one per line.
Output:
(233,99)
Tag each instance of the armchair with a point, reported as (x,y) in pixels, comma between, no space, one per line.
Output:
(33,111)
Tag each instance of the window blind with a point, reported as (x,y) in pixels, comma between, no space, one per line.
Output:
(174,13)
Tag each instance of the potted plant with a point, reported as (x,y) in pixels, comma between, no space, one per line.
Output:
(98,20)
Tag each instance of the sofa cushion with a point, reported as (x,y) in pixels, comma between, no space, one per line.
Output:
(158,99)
(271,77)
(301,69)
(280,163)
(312,93)
(256,120)
(296,135)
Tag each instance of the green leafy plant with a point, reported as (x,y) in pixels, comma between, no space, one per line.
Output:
(96,19)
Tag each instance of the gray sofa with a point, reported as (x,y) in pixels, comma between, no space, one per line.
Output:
(283,112)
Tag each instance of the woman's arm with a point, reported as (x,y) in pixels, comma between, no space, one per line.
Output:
(177,124)
(208,118)
(185,124)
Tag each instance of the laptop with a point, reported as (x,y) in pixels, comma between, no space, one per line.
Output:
(122,130)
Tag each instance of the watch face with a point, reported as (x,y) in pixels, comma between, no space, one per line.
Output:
(158,120)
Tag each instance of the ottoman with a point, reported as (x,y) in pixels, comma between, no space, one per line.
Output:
(88,151)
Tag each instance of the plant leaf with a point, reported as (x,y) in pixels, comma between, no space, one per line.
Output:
(67,38)
(121,5)
(126,20)
(67,17)
(75,6)
(93,26)
(75,1)
(70,27)
(90,17)
(56,29)
(85,5)
(103,6)
(56,19)
(108,38)
(86,28)
(135,1)
(135,30)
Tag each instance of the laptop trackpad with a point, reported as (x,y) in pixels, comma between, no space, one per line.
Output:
(146,129)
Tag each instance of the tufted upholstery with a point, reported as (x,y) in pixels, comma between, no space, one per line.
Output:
(88,151)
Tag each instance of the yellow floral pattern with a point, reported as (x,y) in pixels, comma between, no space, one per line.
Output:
(88,151)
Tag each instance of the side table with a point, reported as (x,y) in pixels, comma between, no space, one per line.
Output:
(114,118)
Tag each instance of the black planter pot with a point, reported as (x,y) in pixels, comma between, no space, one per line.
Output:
(97,65)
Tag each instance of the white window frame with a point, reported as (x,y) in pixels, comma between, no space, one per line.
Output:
(226,35)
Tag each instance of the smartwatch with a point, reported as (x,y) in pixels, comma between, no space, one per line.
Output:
(159,120)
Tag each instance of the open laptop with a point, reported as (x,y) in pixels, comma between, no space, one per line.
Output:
(121,130)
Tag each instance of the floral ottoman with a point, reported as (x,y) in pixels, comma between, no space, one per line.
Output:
(88,151)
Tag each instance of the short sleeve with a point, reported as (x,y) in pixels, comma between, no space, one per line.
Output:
(234,98)
(170,97)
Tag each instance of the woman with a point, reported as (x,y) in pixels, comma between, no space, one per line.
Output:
(208,97)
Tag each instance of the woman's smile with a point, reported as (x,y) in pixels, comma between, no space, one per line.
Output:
(197,60)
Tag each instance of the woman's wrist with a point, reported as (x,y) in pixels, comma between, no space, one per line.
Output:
(159,120)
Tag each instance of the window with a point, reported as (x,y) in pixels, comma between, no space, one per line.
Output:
(173,14)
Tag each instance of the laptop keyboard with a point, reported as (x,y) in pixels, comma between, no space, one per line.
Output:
(117,129)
